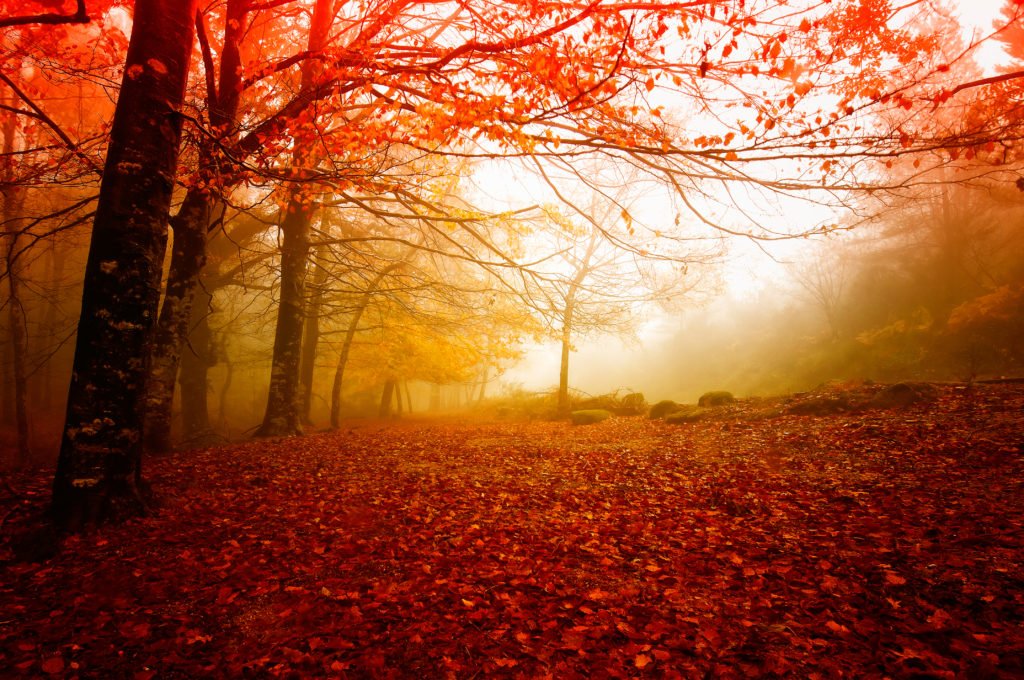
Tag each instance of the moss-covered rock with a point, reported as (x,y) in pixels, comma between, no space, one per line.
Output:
(687,414)
(663,408)
(902,395)
(716,398)
(820,406)
(590,416)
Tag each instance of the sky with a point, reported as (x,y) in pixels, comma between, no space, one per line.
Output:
(749,268)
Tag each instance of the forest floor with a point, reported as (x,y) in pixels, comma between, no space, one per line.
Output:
(867,544)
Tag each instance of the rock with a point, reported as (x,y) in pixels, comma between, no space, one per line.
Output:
(820,406)
(687,414)
(716,398)
(589,417)
(663,408)
(902,395)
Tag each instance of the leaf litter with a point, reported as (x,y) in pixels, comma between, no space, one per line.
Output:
(882,543)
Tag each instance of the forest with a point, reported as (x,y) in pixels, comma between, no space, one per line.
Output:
(272,273)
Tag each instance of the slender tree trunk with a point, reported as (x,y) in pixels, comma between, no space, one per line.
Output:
(225,388)
(50,320)
(312,336)
(99,473)
(484,379)
(408,397)
(14,257)
(346,345)
(190,227)
(283,416)
(398,399)
(385,399)
(564,405)
(188,257)
(196,361)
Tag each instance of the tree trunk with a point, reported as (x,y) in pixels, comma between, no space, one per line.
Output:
(282,416)
(385,399)
(99,474)
(564,406)
(188,257)
(346,345)
(312,337)
(398,399)
(50,321)
(14,258)
(563,371)
(196,360)
(408,398)
(190,227)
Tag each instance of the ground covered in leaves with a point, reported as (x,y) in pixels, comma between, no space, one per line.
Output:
(868,544)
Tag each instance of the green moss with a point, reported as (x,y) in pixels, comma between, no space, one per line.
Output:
(589,417)
(687,414)
(716,398)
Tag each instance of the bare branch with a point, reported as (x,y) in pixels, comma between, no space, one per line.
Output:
(81,16)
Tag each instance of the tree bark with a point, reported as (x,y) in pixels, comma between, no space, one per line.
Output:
(188,257)
(385,399)
(283,415)
(312,337)
(99,473)
(14,258)
(196,360)
(564,406)
(190,227)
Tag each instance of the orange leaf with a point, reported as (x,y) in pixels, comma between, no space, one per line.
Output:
(641,660)
(54,665)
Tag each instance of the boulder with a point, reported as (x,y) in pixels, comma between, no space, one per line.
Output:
(902,395)
(687,414)
(663,408)
(716,398)
(589,417)
(820,406)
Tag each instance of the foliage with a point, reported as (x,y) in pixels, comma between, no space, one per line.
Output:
(884,544)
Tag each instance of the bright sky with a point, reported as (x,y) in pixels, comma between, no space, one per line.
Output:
(749,267)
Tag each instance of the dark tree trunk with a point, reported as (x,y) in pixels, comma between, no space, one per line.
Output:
(408,398)
(312,338)
(188,257)
(190,227)
(398,399)
(99,474)
(14,258)
(196,360)
(283,415)
(50,321)
(385,399)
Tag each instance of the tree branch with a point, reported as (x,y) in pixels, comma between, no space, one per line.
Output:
(79,17)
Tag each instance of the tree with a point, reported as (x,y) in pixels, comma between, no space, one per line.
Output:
(99,467)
